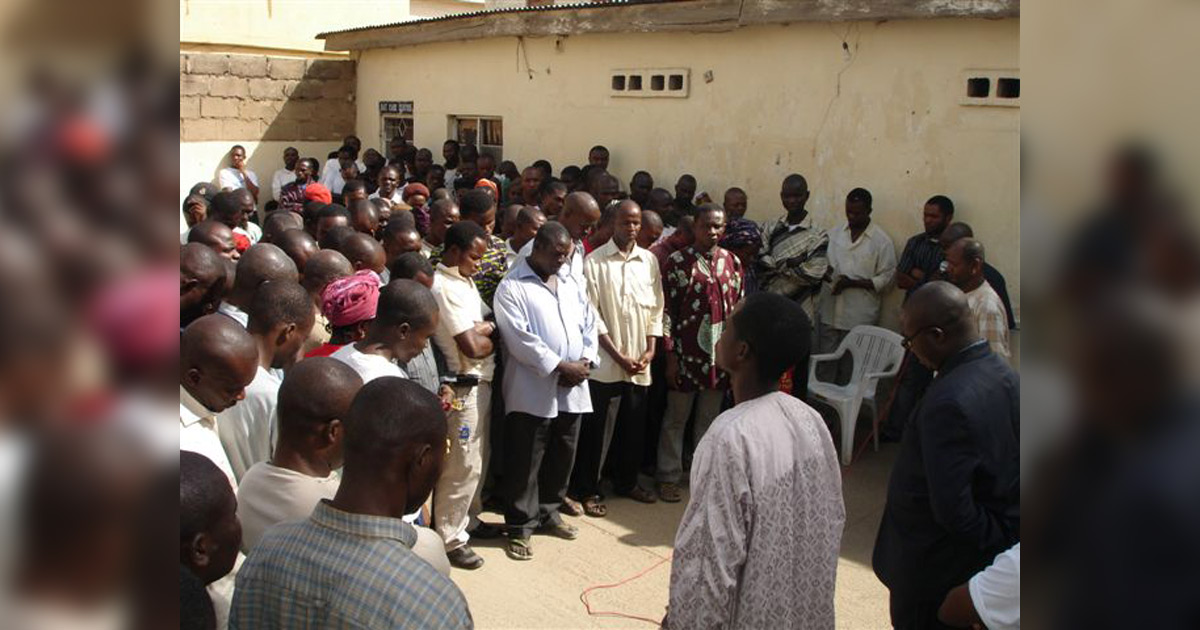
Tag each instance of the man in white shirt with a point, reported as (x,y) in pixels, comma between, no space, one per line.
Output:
(217,360)
(281,316)
(390,180)
(549,332)
(863,262)
(464,339)
(333,175)
(758,543)
(624,286)
(991,598)
(236,175)
(260,264)
(287,174)
(964,268)
(405,319)
(579,215)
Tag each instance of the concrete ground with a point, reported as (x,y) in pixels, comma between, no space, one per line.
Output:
(636,538)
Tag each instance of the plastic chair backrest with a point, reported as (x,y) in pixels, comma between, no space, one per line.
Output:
(874,350)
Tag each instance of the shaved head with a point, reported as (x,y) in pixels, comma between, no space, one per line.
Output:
(201,282)
(324,267)
(217,360)
(261,263)
(315,393)
(364,252)
(279,222)
(298,245)
(937,322)
(216,236)
(364,216)
(580,214)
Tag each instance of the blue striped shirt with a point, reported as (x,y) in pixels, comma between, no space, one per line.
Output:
(343,570)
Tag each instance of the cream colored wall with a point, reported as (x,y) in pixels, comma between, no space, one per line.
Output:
(286,24)
(773,108)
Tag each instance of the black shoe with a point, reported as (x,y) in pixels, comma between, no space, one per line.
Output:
(465,558)
(487,531)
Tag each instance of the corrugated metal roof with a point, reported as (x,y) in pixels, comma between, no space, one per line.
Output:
(598,4)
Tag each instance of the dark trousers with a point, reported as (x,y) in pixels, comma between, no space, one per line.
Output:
(910,613)
(656,407)
(624,452)
(539,454)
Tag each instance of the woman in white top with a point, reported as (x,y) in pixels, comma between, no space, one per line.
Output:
(237,175)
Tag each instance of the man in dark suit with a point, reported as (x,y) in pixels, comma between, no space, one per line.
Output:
(954,495)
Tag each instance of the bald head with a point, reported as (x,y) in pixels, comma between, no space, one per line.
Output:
(315,394)
(937,321)
(580,214)
(324,267)
(201,282)
(395,429)
(298,245)
(364,216)
(953,233)
(217,360)
(364,252)
(216,236)
(261,263)
(279,222)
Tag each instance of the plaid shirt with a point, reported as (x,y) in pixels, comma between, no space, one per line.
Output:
(794,261)
(700,292)
(492,268)
(342,570)
(990,318)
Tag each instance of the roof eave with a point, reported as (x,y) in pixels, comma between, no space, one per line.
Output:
(693,16)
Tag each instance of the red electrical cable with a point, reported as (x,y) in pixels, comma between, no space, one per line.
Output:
(583,597)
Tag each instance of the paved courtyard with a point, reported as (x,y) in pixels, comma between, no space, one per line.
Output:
(545,592)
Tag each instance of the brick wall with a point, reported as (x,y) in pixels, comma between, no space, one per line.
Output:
(239,97)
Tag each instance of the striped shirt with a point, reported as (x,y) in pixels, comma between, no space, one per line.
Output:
(921,252)
(343,570)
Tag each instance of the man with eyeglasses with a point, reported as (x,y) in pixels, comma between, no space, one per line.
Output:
(954,494)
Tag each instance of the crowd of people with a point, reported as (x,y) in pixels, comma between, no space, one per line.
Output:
(395,346)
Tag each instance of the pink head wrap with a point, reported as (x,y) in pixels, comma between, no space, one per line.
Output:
(350,300)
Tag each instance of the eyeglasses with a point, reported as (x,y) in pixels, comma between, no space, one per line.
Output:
(907,342)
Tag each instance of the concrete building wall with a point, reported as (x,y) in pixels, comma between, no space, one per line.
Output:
(264,103)
(876,105)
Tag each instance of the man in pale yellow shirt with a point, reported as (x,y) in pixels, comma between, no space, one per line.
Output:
(624,286)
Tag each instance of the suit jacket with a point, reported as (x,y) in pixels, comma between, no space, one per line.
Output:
(954,495)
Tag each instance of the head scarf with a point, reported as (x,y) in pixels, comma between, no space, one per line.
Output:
(350,300)
(318,192)
(415,188)
(487,183)
(740,233)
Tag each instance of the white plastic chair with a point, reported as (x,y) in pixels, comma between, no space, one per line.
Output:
(877,353)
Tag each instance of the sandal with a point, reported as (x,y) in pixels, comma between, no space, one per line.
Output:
(519,549)
(570,507)
(670,492)
(560,530)
(641,495)
(594,508)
